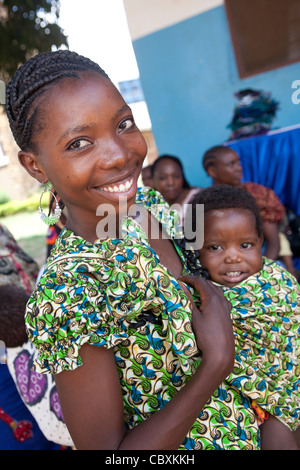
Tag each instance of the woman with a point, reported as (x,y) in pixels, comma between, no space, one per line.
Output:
(114,364)
(168,178)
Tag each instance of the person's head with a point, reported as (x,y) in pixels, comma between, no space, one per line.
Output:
(12,312)
(233,234)
(223,165)
(168,177)
(75,130)
(147,176)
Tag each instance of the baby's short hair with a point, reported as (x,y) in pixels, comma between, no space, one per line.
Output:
(221,196)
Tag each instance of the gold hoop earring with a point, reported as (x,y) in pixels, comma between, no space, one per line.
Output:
(49,219)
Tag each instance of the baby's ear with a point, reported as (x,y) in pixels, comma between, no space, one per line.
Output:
(29,161)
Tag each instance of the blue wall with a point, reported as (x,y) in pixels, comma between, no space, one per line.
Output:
(189,75)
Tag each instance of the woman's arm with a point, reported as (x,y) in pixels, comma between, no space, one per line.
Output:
(91,396)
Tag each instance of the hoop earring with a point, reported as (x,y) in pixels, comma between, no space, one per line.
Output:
(49,219)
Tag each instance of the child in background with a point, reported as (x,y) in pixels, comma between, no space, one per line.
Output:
(266,310)
(146,175)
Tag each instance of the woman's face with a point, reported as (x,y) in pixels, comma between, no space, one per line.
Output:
(168,180)
(227,168)
(232,247)
(90,148)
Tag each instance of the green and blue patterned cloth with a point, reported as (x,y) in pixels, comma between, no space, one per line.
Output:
(116,294)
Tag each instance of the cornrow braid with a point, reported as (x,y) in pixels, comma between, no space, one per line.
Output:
(31,80)
(211,154)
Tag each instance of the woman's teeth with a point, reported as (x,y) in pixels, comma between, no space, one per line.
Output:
(118,188)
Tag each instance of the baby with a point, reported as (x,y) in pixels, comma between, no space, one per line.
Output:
(265,302)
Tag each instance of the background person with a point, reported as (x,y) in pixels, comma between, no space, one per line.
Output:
(168,178)
(146,174)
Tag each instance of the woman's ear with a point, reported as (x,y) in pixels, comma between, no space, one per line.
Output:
(29,161)
(211,171)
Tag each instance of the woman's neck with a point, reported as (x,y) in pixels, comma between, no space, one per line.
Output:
(91,227)
(180,198)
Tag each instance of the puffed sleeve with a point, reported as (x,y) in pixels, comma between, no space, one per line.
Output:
(96,300)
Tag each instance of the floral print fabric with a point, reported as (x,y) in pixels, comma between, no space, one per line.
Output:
(116,294)
(266,320)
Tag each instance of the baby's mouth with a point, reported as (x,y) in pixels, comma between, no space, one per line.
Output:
(234,276)
(121,187)
(233,273)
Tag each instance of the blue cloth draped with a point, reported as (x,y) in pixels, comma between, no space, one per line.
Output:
(273,160)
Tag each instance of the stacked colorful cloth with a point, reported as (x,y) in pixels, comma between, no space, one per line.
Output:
(253,114)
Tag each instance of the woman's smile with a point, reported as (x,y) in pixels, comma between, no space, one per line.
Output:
(119,187)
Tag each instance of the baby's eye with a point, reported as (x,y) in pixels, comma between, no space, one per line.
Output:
(246,245)
(214,247)
(126,124)
(78,144)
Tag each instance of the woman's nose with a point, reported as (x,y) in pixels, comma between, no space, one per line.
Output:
(170,180)
(113,153)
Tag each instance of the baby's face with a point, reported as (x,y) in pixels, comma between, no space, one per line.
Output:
(232,247)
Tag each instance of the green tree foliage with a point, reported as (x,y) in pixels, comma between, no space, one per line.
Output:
(26,28)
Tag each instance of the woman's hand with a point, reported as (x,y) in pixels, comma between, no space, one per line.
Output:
(212,323)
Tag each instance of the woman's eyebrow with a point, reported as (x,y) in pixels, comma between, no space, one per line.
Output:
(84,127)
(122,110)
(76,130)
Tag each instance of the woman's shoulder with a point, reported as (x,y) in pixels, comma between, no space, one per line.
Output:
(155,203)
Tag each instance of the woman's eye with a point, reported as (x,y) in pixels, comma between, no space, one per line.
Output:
(126,124)
(78,144)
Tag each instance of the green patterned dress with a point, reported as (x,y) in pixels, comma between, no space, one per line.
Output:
(266,318)
(115,293)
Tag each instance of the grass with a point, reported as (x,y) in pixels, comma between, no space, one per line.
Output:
(30,232)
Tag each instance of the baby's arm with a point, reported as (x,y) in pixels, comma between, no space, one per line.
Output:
(276,436)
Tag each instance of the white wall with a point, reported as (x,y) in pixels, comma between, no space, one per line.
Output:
(147,16)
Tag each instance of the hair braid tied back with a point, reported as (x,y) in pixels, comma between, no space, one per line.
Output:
(30,81)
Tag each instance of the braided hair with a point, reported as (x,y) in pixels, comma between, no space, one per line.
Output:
(212,154)
(31,80)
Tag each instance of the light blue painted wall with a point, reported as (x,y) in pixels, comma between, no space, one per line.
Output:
(189,75)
